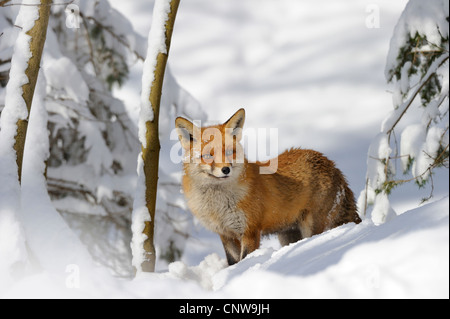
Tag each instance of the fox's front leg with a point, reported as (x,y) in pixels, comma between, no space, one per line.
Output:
(232,248)
(250,242)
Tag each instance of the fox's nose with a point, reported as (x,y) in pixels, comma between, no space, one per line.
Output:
(226,170)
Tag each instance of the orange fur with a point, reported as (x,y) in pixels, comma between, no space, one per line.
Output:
(305,196)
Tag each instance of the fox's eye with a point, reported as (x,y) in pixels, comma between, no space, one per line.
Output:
(207,156)
(229,152)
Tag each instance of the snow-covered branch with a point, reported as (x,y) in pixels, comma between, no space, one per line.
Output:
(417,66)
(390,123)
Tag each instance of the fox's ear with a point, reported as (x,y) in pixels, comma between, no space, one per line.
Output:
(236,123)
(185,130)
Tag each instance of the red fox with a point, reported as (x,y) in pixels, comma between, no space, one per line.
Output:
(305,196)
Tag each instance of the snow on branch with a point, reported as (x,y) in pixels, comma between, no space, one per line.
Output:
(418,68)
(392,120)
(14,120)
(156,45)
(144,207)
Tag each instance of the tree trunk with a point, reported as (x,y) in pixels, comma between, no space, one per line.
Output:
(150,153)
(38,33)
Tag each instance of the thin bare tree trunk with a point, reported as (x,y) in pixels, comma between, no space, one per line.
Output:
(150,153)
(38,34)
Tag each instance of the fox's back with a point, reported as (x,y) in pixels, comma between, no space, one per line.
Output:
(307,186)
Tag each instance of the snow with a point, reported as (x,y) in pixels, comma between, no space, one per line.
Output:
(156,45)
(139,217)
(419,17)
(314,72)
(71,80)
(362,261)
(419,143)
(382,210)
(12,242)
(53,243)
(401,105)
(407,257)
(412,139)
(378,155)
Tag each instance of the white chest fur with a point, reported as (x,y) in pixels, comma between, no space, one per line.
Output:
(215,205)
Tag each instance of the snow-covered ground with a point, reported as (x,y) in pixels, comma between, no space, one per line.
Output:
(407,257)
(314,71)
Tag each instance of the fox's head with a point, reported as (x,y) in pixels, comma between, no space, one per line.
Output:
(213,152)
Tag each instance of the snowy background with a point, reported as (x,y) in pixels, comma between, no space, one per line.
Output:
(314,71)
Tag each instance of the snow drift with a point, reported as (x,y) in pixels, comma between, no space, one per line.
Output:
(407,257)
